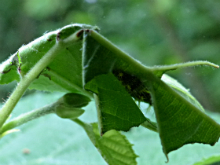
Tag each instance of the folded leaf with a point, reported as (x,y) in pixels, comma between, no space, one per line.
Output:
(63,74)
(180,89)
(116,109)
(179,116)
(179,121)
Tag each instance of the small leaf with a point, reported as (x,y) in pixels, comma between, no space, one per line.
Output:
(116,109)
(69,113)
(74,100)
(113,146)
(69,106)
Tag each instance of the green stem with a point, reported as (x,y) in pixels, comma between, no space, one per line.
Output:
(182,65)
(150,125)
(26,81)
(135,64)
(24,118)
(78,121)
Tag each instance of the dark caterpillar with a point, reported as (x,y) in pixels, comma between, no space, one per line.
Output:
(133,85)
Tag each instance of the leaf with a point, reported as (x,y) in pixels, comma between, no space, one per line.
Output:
(179,121)
(214,160)
(190,125)
(115,107)
(113,146)
(180,89)
(8,71)
(63,74)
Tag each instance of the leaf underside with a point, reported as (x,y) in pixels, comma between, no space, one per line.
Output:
(179,116)
(64,74)
(116,108)
(180,122)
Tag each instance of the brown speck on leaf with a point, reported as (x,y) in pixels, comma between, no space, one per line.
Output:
(58,36)
(79,34)
(19,69)
(4,72)
(26,151)
(49,39)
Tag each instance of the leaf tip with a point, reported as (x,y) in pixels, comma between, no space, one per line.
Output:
(167,158)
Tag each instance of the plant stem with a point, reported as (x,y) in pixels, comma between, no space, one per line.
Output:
(182,65)
(78,121)
(150,125)
(106,43)
(28,117)
(26,81)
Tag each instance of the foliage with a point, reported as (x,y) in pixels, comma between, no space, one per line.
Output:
(156,33)
(115,80)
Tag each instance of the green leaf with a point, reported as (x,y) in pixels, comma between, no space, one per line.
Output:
(214,160)
(179,121)
(179,116)
(8,70)
(116,109)
(63,74)
(180,89)
(70,105)
(113,146)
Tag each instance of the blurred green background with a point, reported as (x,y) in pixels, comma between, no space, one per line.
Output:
(156,32)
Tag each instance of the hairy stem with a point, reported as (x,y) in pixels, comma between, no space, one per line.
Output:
(182,65)
(26,81)
(79,122)
(24,118)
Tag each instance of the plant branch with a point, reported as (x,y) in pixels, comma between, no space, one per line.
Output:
(26,81)
(68,106)
(150,125)
(182,65)
(24,118)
